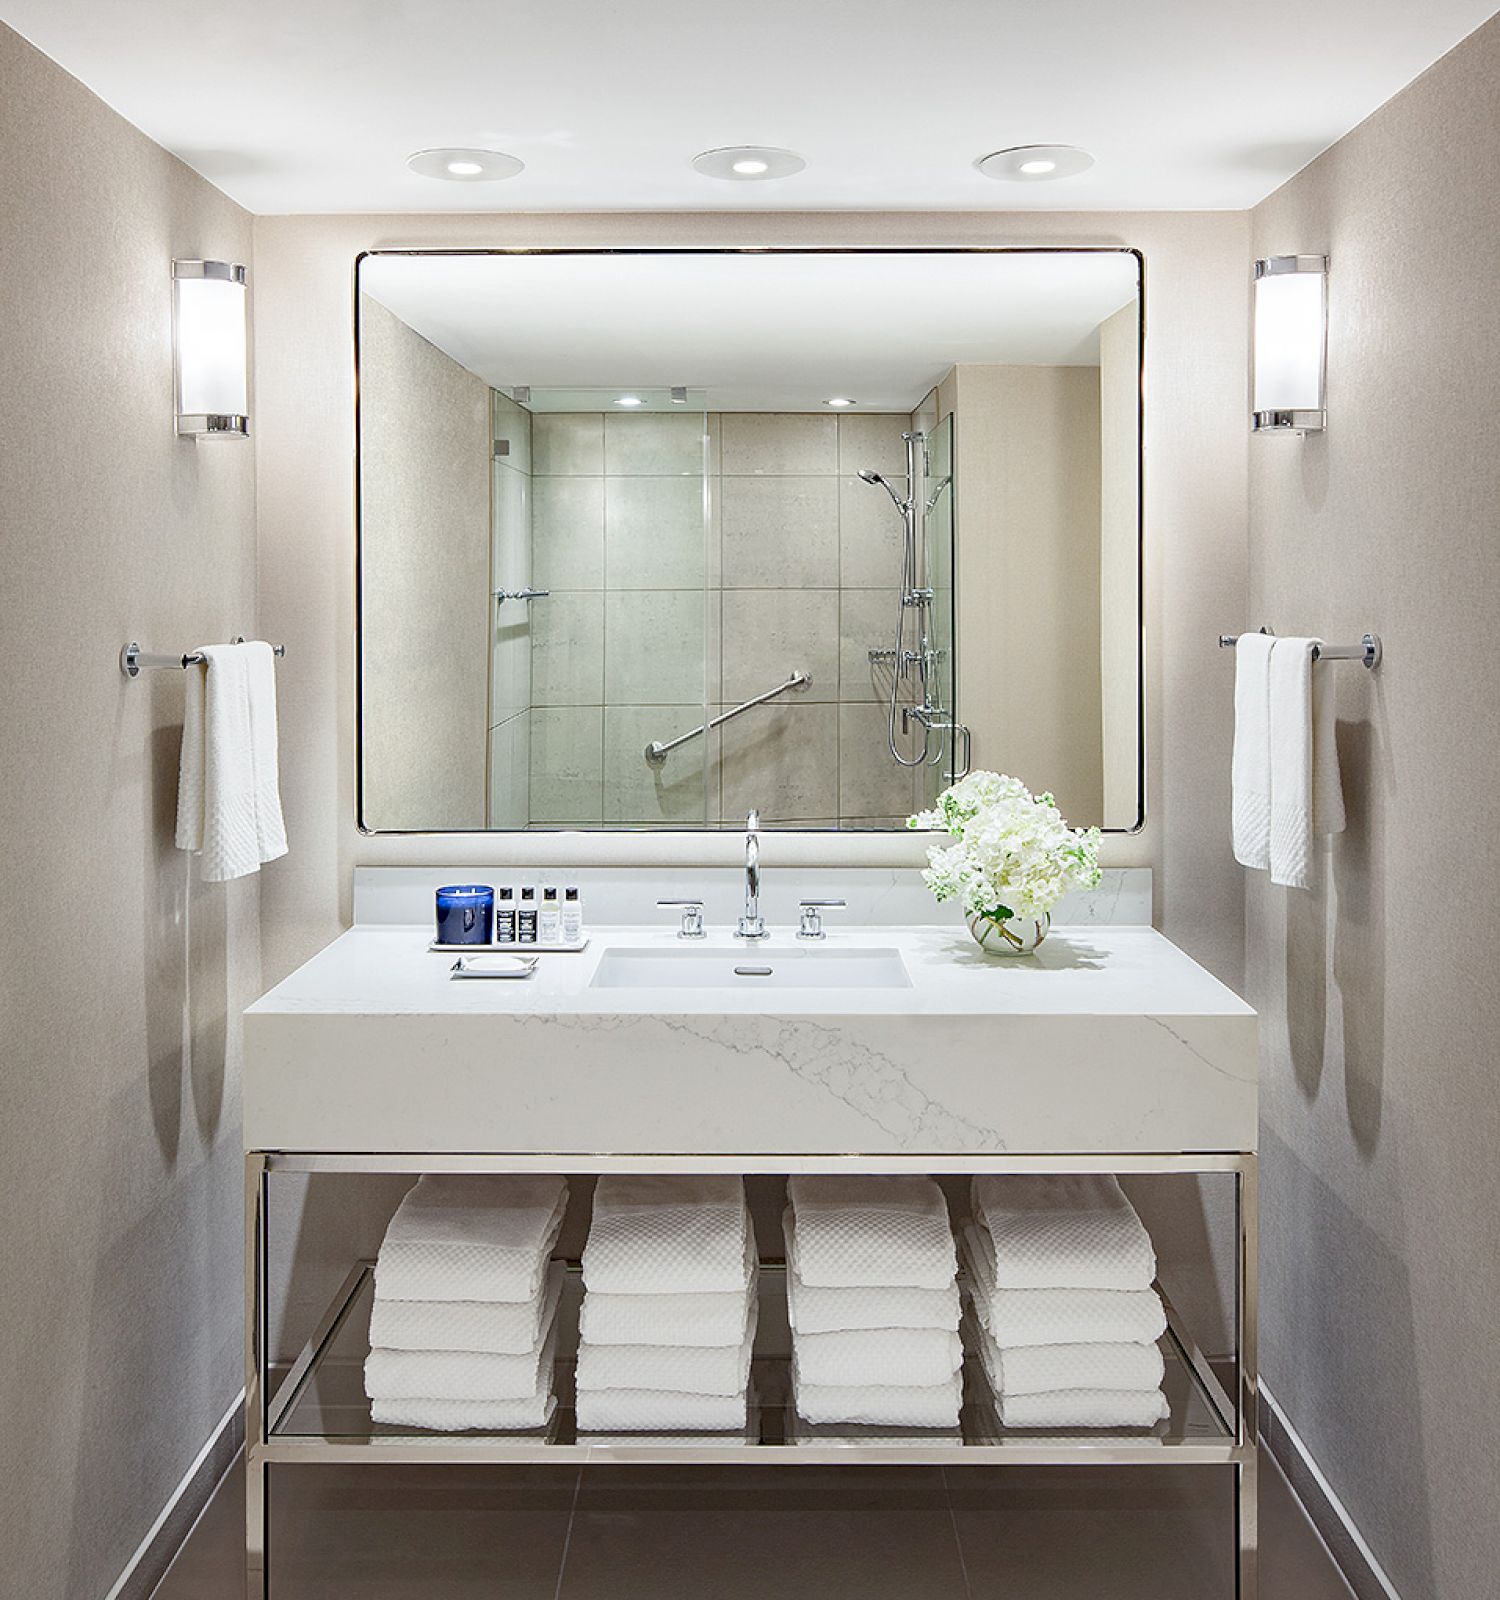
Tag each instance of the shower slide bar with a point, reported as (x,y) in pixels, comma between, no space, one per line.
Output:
(134,660)
(656,752)
(1368,651)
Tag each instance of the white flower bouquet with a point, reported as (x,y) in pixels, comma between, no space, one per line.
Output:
(1015,857)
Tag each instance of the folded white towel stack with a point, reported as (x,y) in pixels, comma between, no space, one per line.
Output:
(463,1331)
(669,1306)
(873,1302)
(1060,1272)
(228,794)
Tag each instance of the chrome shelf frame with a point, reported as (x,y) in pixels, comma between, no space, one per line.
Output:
(270,1439)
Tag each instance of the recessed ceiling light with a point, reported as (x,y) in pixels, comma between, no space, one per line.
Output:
(630,400)
(839,400)
(748,163)
(1035,163)
(465,166)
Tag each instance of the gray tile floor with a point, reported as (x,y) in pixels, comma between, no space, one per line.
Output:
(742,1533)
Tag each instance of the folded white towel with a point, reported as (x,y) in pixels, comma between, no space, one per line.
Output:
(1064,1231)
(1055,1316)
(1039,1368)
(908,1357)
(1084,1408)
(872,1230)
(472,1237)
(658,1410)
(498,1326)
(532,1411)
(819,1310)
(455,1416)
(1250,766)
(667,1235)
(1306,794)
(687,1369)
(671,1319)
(228,796)
(881,1405)
(461,1374)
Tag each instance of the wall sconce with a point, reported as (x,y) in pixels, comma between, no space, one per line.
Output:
(212,355)
(1291,344)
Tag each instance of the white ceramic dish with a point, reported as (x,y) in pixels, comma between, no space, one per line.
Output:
(485,964)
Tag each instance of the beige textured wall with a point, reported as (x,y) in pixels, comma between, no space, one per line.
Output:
(425,497)
(121,976)
(1119,561)
(1197,295)
(1026,460)
(1381,1184)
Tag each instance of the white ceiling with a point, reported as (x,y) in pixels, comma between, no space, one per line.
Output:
(314,105)
(758,332)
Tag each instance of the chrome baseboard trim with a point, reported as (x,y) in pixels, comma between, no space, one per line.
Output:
(1346,1544)
(184,1506)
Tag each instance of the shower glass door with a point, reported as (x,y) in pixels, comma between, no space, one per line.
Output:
(948,751)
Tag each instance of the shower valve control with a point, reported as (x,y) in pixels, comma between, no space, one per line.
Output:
(811,926)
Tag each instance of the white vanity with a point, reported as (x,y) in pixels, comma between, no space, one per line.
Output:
(883,1047)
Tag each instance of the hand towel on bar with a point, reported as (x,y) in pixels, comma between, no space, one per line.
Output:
(671,1319)
(881,1405)
(461,1374)
(706,1369)
(472,1236)
(497,1416)
(908,1357)
(1056,1316)
(1064,1231)
(1038,1368)
(872,1231)
(498,1326)
(1084,1408)
(1250,765)
(658,1410)
(667,1235)
(228,795)
(817,1310)
(1306,795)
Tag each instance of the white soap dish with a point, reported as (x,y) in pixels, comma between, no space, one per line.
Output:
(487,965)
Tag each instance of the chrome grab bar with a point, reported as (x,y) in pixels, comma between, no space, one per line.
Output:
(657,752)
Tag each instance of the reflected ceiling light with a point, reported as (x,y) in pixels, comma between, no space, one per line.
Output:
(210,349)
(630,400)
(1291,342)
(1035,163)
(465,166)
(839,400)
(748,163)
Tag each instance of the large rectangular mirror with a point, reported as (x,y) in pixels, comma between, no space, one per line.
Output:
(650,538)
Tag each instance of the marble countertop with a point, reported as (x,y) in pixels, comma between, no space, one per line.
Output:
(1109,1039)
(1080,971)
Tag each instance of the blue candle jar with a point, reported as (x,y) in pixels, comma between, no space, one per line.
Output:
(466,914)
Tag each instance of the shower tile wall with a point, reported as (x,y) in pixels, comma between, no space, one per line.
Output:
(649,617)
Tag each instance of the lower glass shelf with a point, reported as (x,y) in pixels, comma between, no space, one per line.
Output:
(321,1410)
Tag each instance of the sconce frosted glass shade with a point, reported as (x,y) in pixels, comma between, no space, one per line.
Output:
(211,349)
(1291,340)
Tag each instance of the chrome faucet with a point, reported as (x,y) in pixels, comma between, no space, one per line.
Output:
(752,924)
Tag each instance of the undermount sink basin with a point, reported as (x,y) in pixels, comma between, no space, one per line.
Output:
(775,968)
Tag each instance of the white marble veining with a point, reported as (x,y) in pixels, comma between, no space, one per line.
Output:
(1110,1039)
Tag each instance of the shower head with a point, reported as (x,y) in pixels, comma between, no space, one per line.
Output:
(869,475)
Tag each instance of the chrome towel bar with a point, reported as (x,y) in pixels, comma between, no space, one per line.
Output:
(656,752)
(1368,650)
(134,660)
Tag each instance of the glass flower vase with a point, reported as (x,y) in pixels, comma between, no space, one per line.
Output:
(1010,936)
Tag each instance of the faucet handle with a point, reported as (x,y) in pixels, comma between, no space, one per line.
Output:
(692,917)
(812,916)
